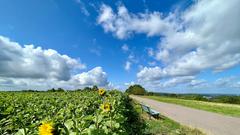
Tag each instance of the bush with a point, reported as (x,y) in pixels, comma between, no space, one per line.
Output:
(227,99)
(136,90)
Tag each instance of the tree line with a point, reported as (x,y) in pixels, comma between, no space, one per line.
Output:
(140,90)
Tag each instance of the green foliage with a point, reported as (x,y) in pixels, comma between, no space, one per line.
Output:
(136,90)
(87,89)
(95,88)
(226,99)
(71,113)
(56,90)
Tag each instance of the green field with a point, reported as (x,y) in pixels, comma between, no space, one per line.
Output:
(91,112)
(221,108)
(67,113)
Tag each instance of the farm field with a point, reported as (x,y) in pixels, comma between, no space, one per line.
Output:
(79,113)
(48,113)
(221,108)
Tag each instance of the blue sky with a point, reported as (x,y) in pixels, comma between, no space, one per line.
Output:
(167,46)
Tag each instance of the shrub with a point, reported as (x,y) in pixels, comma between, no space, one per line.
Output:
(136,90)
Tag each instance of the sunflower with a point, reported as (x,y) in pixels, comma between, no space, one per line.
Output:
(46,129)
(101,92)
(106,107)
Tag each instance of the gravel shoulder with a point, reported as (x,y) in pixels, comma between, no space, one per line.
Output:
(208,122)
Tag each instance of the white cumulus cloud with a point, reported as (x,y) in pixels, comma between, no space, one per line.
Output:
(209,41)
(96,76)
(30,67)
(122,24)
(205,36)
(34,62)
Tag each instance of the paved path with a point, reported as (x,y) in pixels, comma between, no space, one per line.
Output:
(208,122)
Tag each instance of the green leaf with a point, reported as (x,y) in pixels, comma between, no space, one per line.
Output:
(20,132)
(68,124)
(116,125)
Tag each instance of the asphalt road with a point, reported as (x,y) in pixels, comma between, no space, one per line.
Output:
(208,122)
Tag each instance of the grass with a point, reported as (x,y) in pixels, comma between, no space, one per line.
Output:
(221,108)
(164,125)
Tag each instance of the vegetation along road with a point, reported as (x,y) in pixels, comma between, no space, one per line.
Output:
(221,108)
(208,122)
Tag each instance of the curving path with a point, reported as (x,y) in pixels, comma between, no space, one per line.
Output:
(208,122)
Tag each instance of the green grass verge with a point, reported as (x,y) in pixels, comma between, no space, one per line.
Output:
(221,108)
(164,125)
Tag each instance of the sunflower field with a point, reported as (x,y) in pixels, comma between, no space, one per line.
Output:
(68,113)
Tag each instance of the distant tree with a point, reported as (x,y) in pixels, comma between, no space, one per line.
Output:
(150,93)
(51,90)
(95,88)
(87,89)
(30,91)
(136,90)
(173,95)
(60,90)
(56,90)
(78,90)
(228,99)
(200,98)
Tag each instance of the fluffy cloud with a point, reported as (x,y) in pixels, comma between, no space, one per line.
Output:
(127,65)
(129,84)
(150,74)
(230,82)
(30,62)
(131,59)
(179,80)
(25,67)
(125,48)
(150,52)
(95,76)
(188,84)
(209,41)
(205,36)
(122,24)
(152,63)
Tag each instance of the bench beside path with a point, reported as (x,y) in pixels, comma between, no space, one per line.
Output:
(208,122)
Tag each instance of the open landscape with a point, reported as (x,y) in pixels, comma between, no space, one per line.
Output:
(119,67)
(221,108)
(98,111)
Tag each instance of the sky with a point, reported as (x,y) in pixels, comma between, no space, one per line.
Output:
(174,46)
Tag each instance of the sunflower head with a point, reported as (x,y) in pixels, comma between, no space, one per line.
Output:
(46,128)
(101,92)
(106,107)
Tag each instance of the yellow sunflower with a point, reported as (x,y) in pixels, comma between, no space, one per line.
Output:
(106,107)
(46,129)
(101,92)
